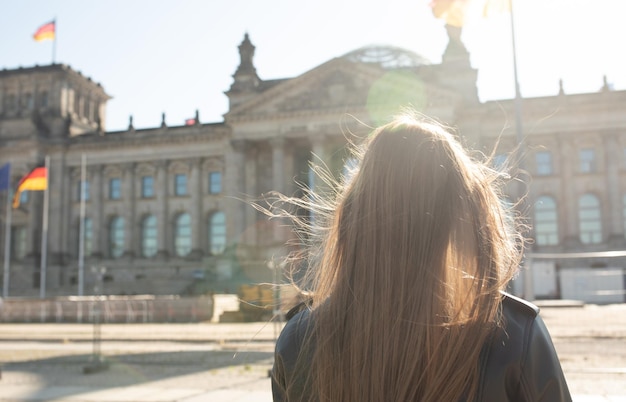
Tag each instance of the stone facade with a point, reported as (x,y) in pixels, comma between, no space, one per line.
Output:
(168,208)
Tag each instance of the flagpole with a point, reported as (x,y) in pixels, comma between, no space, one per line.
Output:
(54,41)
(81,241)
(7,245)
(518,97)
(44,234)
(529,291)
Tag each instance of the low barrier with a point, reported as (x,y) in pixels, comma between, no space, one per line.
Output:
(108,309)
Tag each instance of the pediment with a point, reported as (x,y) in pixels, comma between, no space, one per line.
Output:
(342,84)
(331,85)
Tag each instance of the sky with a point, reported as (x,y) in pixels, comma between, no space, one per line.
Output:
(176,57)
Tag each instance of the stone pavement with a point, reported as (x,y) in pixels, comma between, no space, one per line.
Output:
(229,362)
(130,394)
(154,394)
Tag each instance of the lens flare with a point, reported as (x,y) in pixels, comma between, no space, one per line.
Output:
(394,91)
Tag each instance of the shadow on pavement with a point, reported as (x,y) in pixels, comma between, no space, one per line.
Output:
(179,368)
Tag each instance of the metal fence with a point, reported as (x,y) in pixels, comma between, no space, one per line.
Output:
(108,309)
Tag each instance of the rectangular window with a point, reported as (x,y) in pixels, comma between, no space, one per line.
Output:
(29,102)
(215,182)
(43,99)
(10,104)
(543,162)
(115,188)
(85,189)
(499,161)
(587,158)
(18,242)
(180,184)
(76,102)
(86,109)
(147,187)
(88,237)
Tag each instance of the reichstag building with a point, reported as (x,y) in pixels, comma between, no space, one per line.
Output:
(167,209)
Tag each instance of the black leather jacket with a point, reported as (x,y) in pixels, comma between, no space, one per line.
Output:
(518,363)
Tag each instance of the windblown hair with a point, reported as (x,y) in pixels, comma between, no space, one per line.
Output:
(416,250)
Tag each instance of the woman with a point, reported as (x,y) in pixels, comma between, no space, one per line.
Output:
(407,301)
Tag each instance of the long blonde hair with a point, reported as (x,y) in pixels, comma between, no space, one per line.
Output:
(406,284)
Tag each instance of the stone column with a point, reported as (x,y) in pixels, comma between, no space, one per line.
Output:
(59,219)
(162,208)
(568,204)
(318,158)
(128,197)
(278,173)
(612,151)
(278,163)
(197,221)
(251,192)
(289,173)
(95,189)
(234,189)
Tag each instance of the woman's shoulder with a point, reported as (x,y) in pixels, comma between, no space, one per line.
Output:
(521,358)
(518,320)
(513,305)
(298,308)
(292,335)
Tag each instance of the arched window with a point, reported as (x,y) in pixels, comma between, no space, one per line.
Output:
(149,236)
(546,221)
(182,235)
(217,233)
(116,237)
(589,219)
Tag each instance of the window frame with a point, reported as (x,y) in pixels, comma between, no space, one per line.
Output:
(24,197)
(115,188)
(149,236)
(551,236)
(87,190)
(116,237)
(183,235)
(147,186)
(18,242)
(88,237)
(590,236)
(215,182)
(587,164)
(180,184)
(544,167)
(216,230)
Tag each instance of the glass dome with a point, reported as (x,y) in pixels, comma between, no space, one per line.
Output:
(388,57)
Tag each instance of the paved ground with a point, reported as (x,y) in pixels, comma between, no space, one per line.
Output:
(229,362)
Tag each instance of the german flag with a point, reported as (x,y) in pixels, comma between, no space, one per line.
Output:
(36,180)
(457,12)
(46,31)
